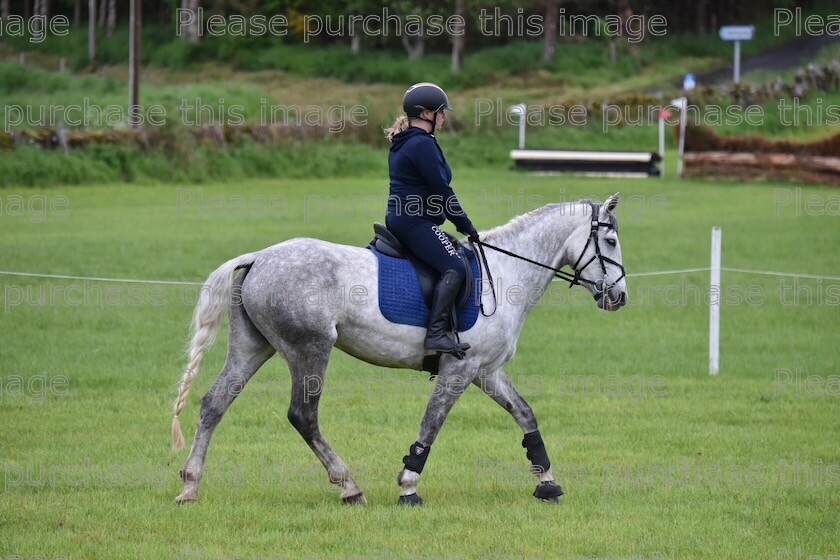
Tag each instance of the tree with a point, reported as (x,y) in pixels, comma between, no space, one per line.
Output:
(92,32)
(4,9)
(701,16)
(552,10)
(458,38)
(135,25)
(193,31)
(625,12)
(357,7)
(40,8)
(112,16)
(413,16)
(135,19)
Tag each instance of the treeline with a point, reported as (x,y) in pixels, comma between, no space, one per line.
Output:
(416,26)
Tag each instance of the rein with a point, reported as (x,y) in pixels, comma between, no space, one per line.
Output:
(573,279)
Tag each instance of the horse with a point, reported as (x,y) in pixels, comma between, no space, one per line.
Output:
(265,293)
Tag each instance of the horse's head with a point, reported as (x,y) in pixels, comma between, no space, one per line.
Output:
(594,252)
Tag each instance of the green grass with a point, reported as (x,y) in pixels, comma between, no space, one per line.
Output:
(657,458)
(30,86)
(476,137)
(243,78)
(189,162)
(796,120)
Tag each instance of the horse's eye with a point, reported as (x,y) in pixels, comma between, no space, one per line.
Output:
(611,242)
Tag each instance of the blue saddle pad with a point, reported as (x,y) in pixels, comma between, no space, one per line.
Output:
(400,300)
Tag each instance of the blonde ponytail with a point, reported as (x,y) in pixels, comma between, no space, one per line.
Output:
(399,125)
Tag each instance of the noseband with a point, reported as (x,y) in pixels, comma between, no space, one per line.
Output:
(573,279)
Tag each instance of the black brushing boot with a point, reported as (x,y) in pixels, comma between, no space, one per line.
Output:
(437,337)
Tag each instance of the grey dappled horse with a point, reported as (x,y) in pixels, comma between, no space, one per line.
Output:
(271,311)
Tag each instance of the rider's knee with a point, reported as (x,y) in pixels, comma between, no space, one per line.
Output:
(456,273)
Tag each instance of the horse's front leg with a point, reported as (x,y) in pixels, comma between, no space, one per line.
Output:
(451,384)
(498,387)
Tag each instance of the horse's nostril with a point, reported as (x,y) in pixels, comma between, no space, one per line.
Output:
(622,298)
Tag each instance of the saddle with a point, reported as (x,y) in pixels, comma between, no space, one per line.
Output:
(387,243)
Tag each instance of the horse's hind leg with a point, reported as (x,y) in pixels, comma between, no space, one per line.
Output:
(498,387)
(247,351)
(308,363)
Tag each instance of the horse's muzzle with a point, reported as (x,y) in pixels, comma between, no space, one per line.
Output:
(611,299)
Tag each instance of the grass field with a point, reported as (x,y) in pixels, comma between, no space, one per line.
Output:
(288,84)
(658,459)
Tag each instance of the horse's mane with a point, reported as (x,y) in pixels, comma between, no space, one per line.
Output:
(522,221)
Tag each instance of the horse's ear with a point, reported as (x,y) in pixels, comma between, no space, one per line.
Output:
(611,203)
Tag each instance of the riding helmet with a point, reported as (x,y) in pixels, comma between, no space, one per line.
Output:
(424,95)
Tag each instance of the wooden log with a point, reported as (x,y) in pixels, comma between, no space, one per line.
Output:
(820,169)
(821,163)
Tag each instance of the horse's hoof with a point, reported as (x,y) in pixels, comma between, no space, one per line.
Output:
(411,500)
(548,491)
(357,500)
(186,496)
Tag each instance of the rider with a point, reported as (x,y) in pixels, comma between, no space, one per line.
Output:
(421,199)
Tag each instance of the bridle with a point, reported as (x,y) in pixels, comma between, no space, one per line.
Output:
(593,238)
(573,279)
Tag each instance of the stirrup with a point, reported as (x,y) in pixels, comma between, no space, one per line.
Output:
(458,350)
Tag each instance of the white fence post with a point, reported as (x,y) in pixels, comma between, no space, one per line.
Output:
(662,140)
(682,104)
(714,305)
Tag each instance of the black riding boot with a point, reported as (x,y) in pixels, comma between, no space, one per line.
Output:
(443,299)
